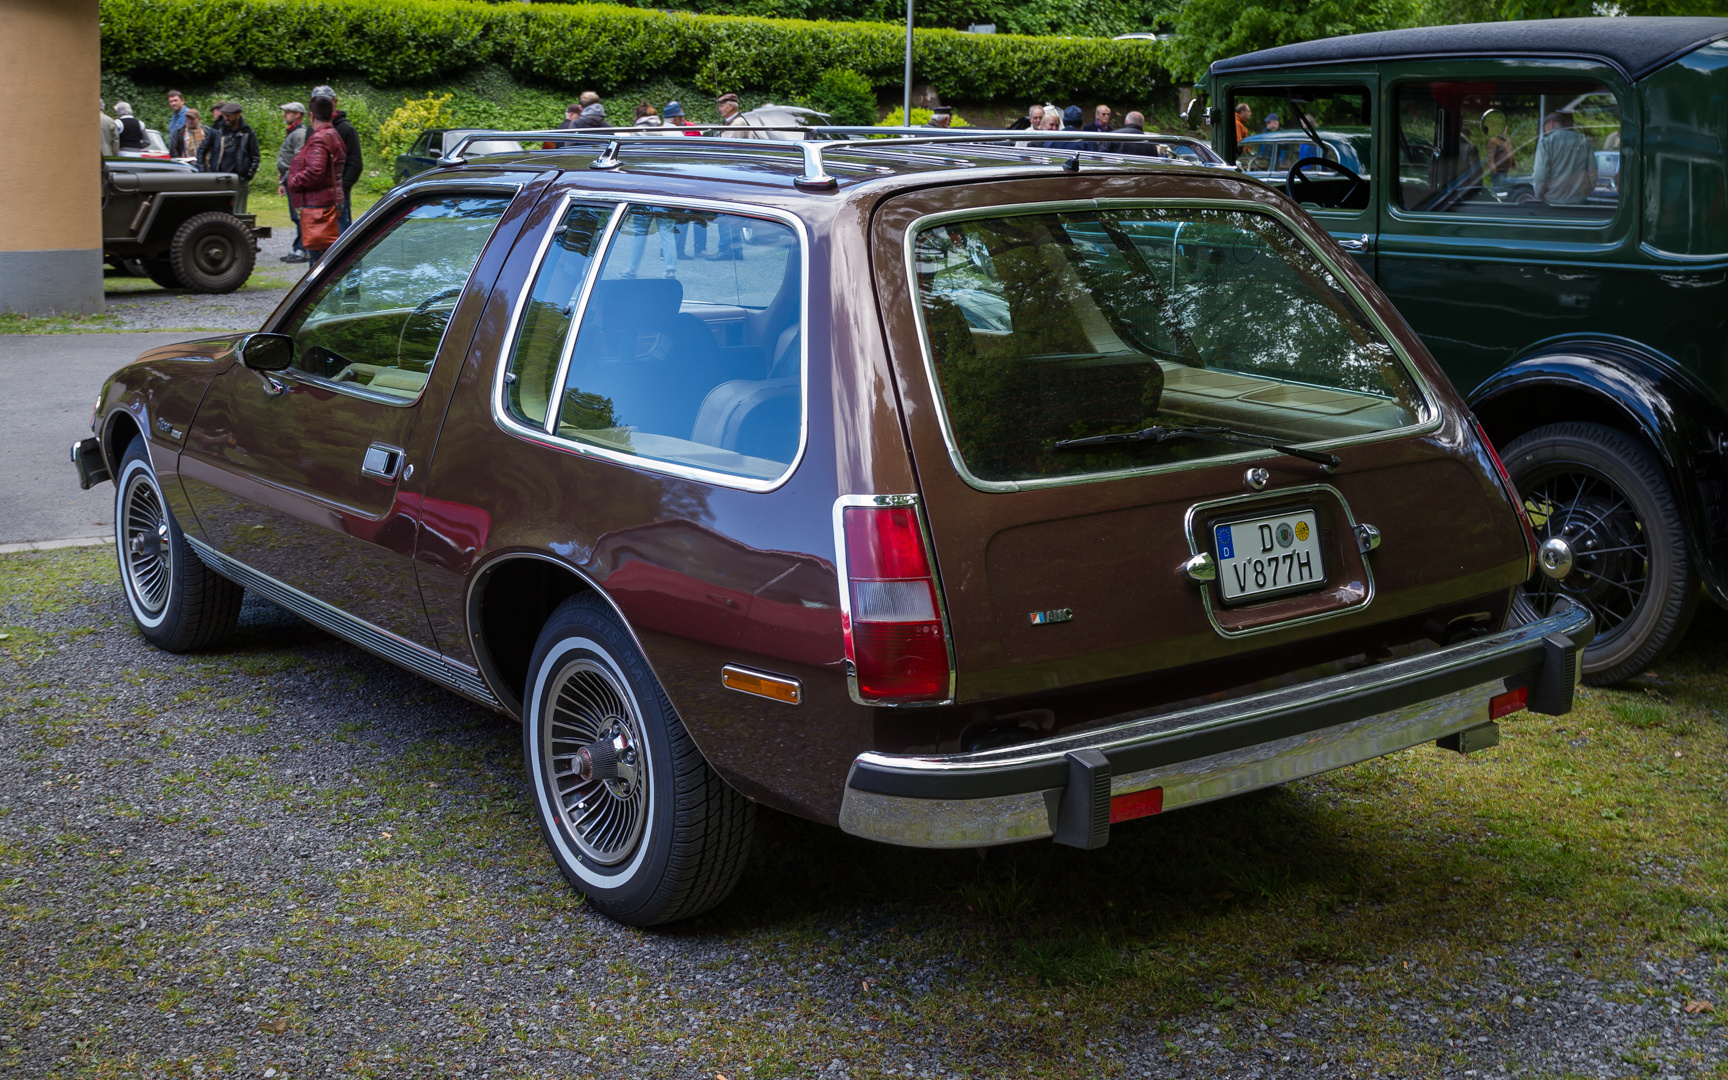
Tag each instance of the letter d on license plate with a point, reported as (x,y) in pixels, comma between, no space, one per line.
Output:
(1266,556)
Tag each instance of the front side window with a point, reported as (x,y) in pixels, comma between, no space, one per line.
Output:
(1047,329)
(1276,127)
(376,324)
(1515,149)
(688,358)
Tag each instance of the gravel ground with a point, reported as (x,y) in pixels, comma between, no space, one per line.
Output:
(288,859)
(144,306)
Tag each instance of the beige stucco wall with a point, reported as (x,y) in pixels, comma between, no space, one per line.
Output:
(50,69)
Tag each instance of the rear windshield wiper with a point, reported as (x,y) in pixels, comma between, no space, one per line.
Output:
(1212,433)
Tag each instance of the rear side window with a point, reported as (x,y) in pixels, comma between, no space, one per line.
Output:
(1516,149)
(688,359)
(1045,328)
(546,318)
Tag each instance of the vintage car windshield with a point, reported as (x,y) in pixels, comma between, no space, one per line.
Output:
(1046,327)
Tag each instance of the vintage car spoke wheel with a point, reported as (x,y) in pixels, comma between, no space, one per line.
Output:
(178,603)
(635,817)
(212,253)
(1622,550)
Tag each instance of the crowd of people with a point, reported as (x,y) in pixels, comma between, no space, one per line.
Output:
(316,167)
(1050,117)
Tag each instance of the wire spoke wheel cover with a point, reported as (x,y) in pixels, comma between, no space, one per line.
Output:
(596,760)
(1604,494)
(146,554)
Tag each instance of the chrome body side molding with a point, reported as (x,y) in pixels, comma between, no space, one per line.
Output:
(400,651)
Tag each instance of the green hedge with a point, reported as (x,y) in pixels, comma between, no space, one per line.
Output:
(602,47)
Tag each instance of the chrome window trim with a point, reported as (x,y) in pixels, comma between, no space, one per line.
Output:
(501,416)
(361,392)
(555,404)
(1430,419)
(917,504)
(1275,495)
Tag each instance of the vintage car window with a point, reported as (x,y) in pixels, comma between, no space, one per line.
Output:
(1518,149)
(1272,138)
(695,362)
(1047,327)
(1685,130)
(549,311)
(375,325)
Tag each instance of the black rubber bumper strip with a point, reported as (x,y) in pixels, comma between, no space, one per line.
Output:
(1522,666)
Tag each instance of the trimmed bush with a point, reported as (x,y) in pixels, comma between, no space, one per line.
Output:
(601,47)
(920,117)
(846,96)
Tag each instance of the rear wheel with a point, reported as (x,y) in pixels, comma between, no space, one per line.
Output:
(1604,493)
(634,815)
(178,603)
(212,253)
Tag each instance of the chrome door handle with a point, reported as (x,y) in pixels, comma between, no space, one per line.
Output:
(1362,245)
(382,462)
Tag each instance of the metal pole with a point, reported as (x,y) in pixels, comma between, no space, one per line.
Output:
(908,116)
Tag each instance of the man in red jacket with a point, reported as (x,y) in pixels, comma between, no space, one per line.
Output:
(315,180)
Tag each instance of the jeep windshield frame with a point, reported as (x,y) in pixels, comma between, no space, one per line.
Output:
(1417,396)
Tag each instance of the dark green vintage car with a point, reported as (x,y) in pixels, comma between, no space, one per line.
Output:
(1546,203)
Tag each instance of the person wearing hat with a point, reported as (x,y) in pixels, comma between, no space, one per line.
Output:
(941,116)
(293,115)
(352,164)
(190,138)
(232,148)
(1272,122)
(733,117)
(674,116)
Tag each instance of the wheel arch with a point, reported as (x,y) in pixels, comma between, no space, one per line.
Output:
(1624,385)
(509,600)
(118,431)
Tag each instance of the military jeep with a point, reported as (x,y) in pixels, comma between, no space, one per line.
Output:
(176,225)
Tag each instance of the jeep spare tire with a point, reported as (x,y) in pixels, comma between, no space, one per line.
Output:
(212,253)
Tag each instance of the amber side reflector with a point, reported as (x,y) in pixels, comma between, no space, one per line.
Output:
(1136,804)
(1508,703)
(774,687)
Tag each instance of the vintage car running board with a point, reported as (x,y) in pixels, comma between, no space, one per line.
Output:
(382,643)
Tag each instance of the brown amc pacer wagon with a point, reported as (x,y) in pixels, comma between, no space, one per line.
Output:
(956,493)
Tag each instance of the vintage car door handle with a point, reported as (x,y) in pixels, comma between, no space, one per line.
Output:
(382,462)
(1362,245)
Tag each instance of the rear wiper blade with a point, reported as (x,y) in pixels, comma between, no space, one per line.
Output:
(1211,432)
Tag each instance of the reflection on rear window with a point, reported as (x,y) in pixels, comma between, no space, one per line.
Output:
(1047,327)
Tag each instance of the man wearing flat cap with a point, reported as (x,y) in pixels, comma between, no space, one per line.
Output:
(293,113)
(733,117)
(232,148)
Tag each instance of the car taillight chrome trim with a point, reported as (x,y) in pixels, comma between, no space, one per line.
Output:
(1511,489)
(844,580)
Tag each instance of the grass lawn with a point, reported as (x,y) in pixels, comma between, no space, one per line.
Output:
(1329,910)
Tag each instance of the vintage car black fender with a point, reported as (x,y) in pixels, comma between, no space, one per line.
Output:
(1626,385)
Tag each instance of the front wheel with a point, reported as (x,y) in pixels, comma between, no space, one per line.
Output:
(213,253)
(178,603)
(634,815)
(1604,493)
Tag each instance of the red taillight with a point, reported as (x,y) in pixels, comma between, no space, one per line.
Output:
(1508,703)
(894,634)
(1511,493)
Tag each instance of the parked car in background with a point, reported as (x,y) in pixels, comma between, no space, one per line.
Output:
(1573,284)
(953,499)
(177,225)
(155,147)
(1269,155)
(430,145)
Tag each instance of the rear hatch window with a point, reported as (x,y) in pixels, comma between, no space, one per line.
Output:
(1203,325)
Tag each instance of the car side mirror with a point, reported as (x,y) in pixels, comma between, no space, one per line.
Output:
(1196,107)
(267,352)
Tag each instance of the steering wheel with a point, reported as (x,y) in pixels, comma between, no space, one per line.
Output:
(1297,179)
(419,309)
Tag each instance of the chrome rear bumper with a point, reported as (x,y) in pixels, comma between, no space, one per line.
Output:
(1064,787)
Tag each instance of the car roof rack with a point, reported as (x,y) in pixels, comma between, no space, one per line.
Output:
(815,176)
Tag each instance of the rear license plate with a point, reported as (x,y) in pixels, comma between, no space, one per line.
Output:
(1265,556)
